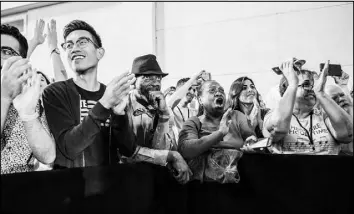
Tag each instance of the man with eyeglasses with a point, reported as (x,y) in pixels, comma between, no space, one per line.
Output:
(146,120)
(25,137)
(80,110)
(297,127)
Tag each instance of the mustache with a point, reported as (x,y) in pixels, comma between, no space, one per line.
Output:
(310,93)
(153,87)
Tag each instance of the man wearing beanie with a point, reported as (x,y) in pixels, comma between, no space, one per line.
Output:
(146,120)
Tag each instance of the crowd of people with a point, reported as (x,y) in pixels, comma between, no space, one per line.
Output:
(50,124)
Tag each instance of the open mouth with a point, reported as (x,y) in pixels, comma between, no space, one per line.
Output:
(219,101)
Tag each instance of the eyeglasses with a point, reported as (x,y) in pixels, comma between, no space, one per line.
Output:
(82,42)
(7,52)
(306,86)
(152,77)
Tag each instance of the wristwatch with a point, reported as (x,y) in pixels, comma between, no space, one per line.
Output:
(55,50)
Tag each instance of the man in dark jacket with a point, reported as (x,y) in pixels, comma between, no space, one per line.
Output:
(79,110)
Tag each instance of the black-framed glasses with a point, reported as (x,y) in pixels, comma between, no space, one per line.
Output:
(82,42)
(7,52)
(306,86)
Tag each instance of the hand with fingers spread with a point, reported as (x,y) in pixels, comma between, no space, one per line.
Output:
(25,103)
(225,122)
(320,83)
(52,37)
(117,90)
(342,80)
(290,74)
(183,172)
(159,101)
(38,36)
(13,75)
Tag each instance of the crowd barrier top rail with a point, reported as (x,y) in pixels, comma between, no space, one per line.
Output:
(269,183)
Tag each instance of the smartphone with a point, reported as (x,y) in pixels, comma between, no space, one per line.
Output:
(333,70)
(277,70)
(261,143)
(206,76)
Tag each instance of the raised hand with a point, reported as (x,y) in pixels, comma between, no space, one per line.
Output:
(38,36)
(13,75)
(117,90)
(25,103)
(342,80)
(52,35)
(290,74)
(225,122)
(320,83)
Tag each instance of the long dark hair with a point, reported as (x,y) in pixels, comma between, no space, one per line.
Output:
(235,92)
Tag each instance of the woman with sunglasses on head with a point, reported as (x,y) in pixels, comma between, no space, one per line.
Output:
(244,97)
(296,126)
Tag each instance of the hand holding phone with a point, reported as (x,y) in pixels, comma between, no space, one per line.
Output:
(206,76)
(333,70)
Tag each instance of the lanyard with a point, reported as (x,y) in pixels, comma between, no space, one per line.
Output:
(309,135)
(182,113)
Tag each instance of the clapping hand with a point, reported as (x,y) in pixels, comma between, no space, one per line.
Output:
(117,91)
(225,122)
(13,75)
(25,103)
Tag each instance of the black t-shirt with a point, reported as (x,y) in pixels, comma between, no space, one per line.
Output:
(88,99)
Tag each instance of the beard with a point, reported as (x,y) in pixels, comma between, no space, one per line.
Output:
(145,90)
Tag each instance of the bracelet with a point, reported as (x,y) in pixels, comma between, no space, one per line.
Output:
(55,50)
(26,117)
